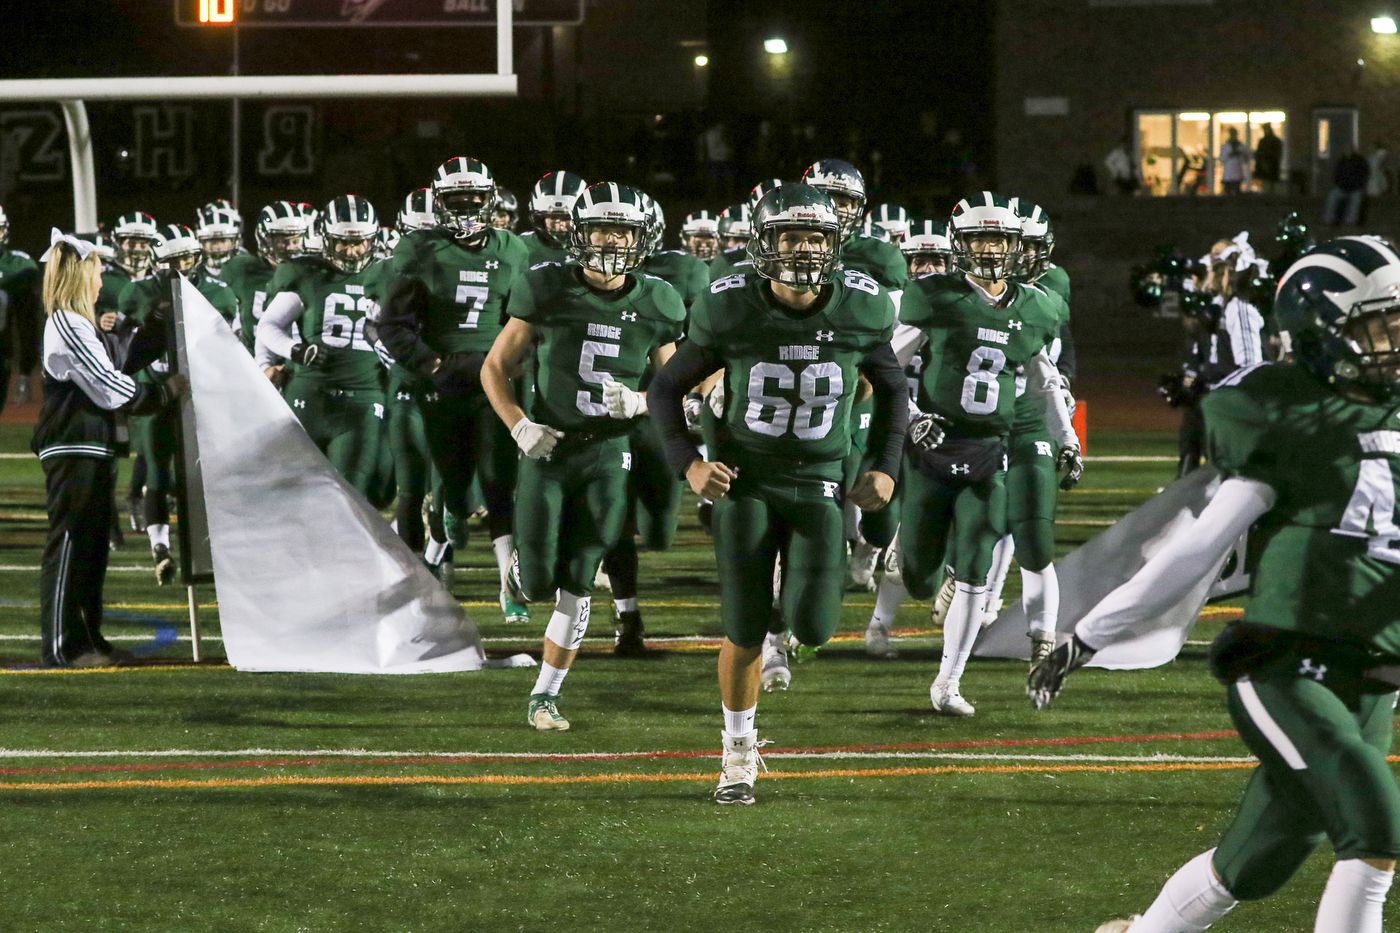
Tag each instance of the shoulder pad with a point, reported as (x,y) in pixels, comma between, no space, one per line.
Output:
(545,264)
(21,254)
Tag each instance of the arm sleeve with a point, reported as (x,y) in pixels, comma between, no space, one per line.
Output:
(274,334)
(400,325)
(1192,552)
(73,352)
(144,345)
(906,342)
(1043,379)
(1069,361)
(891,422)
(688,366)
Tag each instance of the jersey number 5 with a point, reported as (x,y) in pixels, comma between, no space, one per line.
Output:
(592,349)
(812,419)
(1371,512)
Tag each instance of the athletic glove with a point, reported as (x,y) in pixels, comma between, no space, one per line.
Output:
(536,441)
(621,402)
(925,429)
(306,354)
(1070,462)
(693,405)
(1068,395)
(716,399)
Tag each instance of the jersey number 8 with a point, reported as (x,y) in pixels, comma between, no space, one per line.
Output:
(982,370)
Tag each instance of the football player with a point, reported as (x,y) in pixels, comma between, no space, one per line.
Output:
(735,230)
(506,211)
(792,336)
(177,250)
(385,241)
(700,235)
(1310,453)
(893,219)
(1036,459)
(220,233)
(592,325)
(927,249)
(21,320)
(551,214)
(448,291)
(980,326)
(723,264)
(280,234)
(337,389)
(416,212)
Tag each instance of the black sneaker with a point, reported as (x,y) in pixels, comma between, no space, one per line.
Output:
(629,643)
(165,564)
(1047,678)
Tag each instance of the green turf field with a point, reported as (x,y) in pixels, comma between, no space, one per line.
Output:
(171,796)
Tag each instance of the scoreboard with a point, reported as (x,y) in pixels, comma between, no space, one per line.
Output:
(420,13)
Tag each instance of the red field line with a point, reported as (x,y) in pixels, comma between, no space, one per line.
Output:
(313,761)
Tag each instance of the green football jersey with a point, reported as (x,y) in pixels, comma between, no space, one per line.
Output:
(114,281)
(140,298)
(584,338)
(1030,407)
(974,348)
(468,288)
(879,259)
(723,264)
(1326,558)
(249,276)
(682,271)
(20,284)
(337,309)
(540,251)
(1056,280)
(790,377)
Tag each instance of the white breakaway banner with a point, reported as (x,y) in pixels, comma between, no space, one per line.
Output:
(309,576)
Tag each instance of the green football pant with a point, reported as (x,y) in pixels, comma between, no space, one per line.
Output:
(936,516)
(862,413)
(413,467)
(570,512)
(467,440)
(347,425)
(653,508)
(798,516)
(1322,774)
(1031,485)
(153,438)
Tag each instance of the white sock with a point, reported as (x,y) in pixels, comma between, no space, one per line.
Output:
(1190,901)
(1354,898)
(888,597)
(1040,597)
(625,605)
(738,722)
(550,680)
(434,551)
(1001,568)
(504,546)
(961,626)
(158,534)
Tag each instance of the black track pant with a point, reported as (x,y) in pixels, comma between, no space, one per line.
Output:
(75,557)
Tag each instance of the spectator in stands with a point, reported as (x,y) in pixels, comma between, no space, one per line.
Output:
(1349,180)
(1268,160)
(1234,158)
(1119,164)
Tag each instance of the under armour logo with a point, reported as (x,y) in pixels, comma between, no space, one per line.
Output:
(1014,325)
(492,264)
(627,461)
(826,336)
(628,315)
(1309,669)
(960,469)
(379,410)
(298,403)
(432,397)
(404,396)
(829,489)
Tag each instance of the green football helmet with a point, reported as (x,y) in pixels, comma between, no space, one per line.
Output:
(506,211)
(280,231)
(416,212)
(1037,239)
(4,228)
(893,219)
(220,232)
(552,206)
(735,226)
(757,192)
(1340,308)
(464,194)
(700,234)
(349,227)
(657,224)
(133,239)
(986,235)
(1145,283)
(846,186)
(612,232)
(796,209)
(927,248)
(177,248)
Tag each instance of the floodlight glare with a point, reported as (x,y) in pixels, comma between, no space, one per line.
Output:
(702,61)
(1383,25)
(775,46)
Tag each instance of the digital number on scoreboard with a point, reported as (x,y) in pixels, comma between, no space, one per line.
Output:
(323,13)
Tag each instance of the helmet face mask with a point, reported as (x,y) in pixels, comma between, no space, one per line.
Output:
(612,229)
(349,229)
(280,232)
(464,193)
(133,240)
(177,249)
(987,254)
(797,237)
(219,231)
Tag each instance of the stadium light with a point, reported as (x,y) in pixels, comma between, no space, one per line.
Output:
(1383,25)
(702,61)
(775,46)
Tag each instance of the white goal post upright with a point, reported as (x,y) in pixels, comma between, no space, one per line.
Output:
(72,93)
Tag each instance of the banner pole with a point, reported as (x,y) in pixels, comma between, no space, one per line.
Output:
(194,622)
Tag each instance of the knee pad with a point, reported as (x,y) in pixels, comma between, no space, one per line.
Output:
(569,623)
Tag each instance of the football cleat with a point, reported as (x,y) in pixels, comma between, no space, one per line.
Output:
(948,701)
(944,599)
(877,642)
(165,564)
(1047,678)
(456,529)
(628,642)
(1042,643)
(738,771)
(860,567)
(543,713)
(513,610)
(1117,926)
(776,675)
